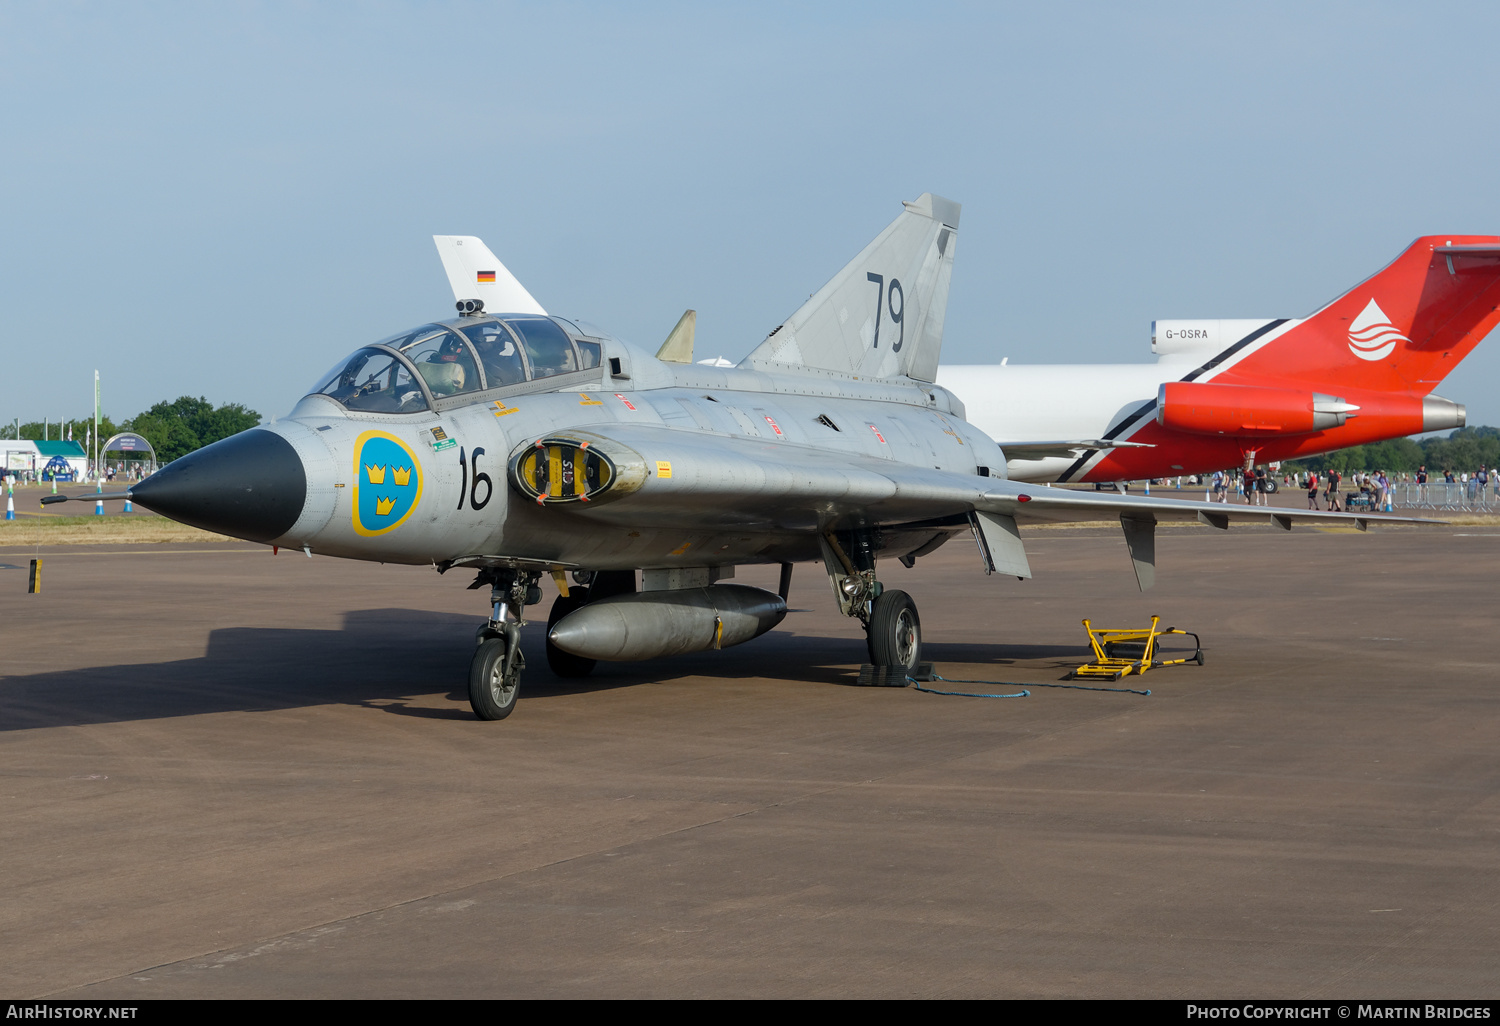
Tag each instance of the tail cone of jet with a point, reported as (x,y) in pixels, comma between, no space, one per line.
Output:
(251,485)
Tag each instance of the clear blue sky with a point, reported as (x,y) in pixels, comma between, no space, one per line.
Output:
(222,199)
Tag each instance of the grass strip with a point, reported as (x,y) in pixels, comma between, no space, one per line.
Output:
(95,530)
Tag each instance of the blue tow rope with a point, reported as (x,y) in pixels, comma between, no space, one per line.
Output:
(1023,693)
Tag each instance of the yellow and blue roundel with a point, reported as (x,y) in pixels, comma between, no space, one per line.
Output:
(387,483)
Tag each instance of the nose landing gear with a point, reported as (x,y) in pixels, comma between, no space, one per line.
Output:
(495,671)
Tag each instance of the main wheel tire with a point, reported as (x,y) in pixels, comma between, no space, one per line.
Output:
(491,693)
(566,664)
(895,632)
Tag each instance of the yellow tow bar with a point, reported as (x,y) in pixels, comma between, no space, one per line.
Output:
(1119,653)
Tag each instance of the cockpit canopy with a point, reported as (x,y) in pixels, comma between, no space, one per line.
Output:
(408,372)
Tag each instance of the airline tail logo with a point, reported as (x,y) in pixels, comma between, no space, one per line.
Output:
(1372,336)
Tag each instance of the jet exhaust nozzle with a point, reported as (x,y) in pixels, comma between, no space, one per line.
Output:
(652,624)
(1439,414)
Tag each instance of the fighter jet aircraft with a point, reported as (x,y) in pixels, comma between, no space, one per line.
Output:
(1359,370)
(519,445)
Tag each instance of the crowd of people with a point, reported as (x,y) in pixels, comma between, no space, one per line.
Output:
(1367,490)
(1253,482)
(1371,492)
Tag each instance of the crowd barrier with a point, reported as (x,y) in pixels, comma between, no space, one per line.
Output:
(1443,495)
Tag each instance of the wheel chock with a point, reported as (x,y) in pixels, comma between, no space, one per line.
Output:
(871,676)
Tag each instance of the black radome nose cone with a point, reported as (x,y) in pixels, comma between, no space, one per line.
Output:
(250,485)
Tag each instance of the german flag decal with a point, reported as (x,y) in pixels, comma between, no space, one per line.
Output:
(486,276)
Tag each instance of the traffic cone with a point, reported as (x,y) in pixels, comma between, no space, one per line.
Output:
(99,503)
(10,505)
(54,484)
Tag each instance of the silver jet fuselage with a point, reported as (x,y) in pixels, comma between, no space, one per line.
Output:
(440,486)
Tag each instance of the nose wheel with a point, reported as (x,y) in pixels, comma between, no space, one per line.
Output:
(495,676)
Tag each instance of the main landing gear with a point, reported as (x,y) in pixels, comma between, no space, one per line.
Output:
(495,672)
(893,630)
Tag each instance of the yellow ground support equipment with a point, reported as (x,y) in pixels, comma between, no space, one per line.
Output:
(1119,653)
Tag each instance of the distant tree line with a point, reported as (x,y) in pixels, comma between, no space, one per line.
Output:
(1465,450)
(173,428)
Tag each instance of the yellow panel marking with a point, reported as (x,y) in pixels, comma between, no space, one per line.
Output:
(663,468)
(501,410)
(679,550)
(554,470)
(584,399)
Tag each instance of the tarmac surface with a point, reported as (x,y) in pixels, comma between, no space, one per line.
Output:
(230,774)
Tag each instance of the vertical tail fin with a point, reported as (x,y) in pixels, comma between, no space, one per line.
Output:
(882,315)
(678,348)
(1401,330)
(474,273)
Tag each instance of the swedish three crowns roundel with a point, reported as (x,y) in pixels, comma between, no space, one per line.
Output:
(387,483)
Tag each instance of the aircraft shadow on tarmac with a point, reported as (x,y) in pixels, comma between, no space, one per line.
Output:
(382,657)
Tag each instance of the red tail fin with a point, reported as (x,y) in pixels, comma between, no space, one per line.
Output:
(1401,330)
